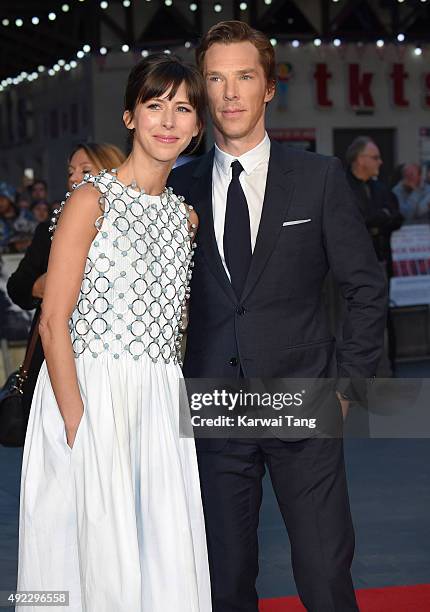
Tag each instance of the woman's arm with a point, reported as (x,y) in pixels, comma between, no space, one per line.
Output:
(70,246)
(25,284)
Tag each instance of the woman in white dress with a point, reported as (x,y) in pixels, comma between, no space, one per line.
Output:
(110,499)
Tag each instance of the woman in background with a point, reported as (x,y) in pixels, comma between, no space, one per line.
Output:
(26,286)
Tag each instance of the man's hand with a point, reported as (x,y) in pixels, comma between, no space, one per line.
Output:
(344,404)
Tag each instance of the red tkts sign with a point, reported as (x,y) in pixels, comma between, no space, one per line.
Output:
(360,84)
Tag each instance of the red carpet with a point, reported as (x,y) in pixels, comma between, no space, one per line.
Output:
(390,599)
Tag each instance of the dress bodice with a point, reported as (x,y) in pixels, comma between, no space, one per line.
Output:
(136,279)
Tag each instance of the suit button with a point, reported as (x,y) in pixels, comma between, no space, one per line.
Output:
(240,310)
(233,361)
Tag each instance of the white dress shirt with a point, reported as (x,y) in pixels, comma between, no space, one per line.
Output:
(253,181)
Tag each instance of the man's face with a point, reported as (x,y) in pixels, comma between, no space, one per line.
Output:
(237,91)
(38,192)
(370,160)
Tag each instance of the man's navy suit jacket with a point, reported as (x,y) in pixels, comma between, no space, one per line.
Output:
(279,326)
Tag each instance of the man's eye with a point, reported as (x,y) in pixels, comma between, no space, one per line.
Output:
(214,78)
(246,77)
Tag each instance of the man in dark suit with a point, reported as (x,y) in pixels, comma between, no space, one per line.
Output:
(272,221)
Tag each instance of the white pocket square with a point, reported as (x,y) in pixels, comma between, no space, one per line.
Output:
(296,222)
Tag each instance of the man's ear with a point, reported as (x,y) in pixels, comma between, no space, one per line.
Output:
(127,117)
(270,92)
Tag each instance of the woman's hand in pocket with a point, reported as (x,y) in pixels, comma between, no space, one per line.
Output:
(71,431)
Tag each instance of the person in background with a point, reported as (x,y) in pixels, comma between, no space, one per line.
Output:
(40,211)
(8,216)
(380,209)
(39,191)
(26,286)
(413,196)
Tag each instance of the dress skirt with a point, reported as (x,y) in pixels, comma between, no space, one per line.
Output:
(117,520)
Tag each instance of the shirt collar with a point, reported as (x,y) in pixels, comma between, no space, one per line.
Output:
(249,160)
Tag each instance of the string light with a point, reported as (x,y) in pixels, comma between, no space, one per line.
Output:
(168,2)
(35,20)
(19,23)
(73,64)
(273,42)
(102,50)
(86,48)
(400,37)
(125,48)
(187,44)
(52,16)
(267,1)
(65,8)
(80,54)
(295,44)
(337,42)
(217,8)
(41,68)
(317,42)
(126,3)
(145,53)
(418,51)
(61,62)
(243,6)
(5,22)
(104,5)
(193,7)
(380,43)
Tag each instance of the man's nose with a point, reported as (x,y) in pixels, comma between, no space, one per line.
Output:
(230,90)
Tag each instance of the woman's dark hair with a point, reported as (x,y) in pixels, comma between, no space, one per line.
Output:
(159,73)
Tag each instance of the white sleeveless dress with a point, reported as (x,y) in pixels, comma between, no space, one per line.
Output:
(117,520)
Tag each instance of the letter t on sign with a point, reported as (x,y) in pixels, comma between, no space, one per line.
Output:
(359,88)
(399,75)
(322,76)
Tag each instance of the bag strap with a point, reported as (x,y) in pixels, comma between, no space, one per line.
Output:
(23,371)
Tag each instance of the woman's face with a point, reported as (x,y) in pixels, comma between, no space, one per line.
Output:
(79,165)
(164,128)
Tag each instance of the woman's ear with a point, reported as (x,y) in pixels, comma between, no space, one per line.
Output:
(127,117)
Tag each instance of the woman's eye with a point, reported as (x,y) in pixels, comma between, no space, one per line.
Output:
(184,109)
(153,106)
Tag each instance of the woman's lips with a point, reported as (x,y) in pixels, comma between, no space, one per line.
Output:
(166,139)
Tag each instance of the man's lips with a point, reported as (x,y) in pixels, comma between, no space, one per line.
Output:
(166,139)
(232,112)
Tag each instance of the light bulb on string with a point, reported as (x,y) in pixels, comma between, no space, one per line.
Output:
(400,37)
(193,7)
(86,48)
(65,8)
(73,64)
(19,22)
(295,44)
(35,20)
(52,16)
(102,50)
(317,42)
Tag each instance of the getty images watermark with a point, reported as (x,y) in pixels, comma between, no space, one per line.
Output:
(241,400)
(301,408)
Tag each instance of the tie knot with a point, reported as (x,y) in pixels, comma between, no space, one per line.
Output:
(236,168)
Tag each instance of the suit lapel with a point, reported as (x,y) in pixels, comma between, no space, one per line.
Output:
(201,193)
(279,191)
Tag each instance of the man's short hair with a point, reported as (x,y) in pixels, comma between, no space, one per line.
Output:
(227,32)
(357,147)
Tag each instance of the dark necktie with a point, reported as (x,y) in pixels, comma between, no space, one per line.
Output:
(237,232)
